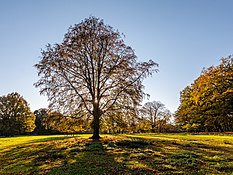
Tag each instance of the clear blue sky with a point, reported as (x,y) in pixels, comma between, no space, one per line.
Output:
(182,36)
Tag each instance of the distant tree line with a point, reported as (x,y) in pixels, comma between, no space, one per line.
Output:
(17,119)
(207,104)
(48,122)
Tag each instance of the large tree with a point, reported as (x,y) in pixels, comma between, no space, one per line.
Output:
(92,71)
(15,115)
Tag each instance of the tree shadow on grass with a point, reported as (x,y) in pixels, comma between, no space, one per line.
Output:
(99,158)
(190,157)
(112,157)
(71,156)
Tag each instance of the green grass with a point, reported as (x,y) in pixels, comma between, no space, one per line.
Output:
(117,154)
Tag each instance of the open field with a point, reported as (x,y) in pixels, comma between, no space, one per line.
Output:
(117,154)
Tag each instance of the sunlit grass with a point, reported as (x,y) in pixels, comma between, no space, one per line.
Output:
(117,154)
(13,141)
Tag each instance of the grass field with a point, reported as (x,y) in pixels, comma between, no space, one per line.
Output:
(117,154)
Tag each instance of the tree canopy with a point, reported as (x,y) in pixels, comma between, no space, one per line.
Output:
(15,115)
(207,104)
(92,72)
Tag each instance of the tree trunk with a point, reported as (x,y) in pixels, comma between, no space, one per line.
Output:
(96,123)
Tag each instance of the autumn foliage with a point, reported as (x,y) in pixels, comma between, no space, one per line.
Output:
(207,104)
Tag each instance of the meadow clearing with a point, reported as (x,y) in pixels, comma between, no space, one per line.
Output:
(117,154)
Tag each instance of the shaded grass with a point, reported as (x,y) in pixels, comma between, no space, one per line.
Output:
(119,154)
